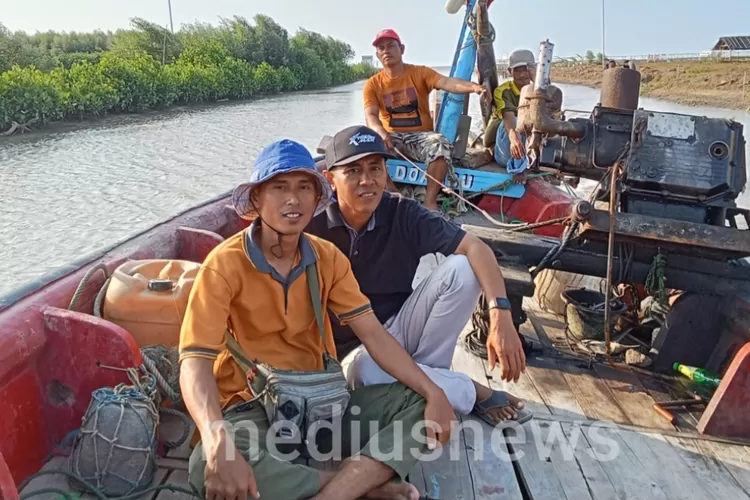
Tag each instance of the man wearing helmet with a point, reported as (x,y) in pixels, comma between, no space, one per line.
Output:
(508,143)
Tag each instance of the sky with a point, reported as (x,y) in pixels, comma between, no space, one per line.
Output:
(632,27)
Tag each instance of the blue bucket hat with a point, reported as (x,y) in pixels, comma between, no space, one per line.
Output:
(281,157)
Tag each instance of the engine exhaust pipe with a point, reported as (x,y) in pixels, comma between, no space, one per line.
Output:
(535,106)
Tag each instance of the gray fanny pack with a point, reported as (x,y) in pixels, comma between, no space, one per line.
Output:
(297,401)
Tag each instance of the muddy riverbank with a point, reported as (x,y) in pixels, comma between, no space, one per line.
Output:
(693,83)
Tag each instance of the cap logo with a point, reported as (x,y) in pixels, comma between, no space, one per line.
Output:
(358,138)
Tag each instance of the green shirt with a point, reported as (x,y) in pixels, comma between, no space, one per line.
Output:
(507,96)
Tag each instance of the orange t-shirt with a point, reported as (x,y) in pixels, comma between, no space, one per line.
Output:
(271,317)
(403,102)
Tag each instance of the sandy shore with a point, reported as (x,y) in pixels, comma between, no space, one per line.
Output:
(694,83)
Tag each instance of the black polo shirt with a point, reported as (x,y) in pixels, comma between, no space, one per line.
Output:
(386,253)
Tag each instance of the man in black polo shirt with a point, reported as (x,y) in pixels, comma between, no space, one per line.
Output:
(385,236)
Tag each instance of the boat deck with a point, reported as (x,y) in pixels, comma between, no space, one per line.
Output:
(595,436)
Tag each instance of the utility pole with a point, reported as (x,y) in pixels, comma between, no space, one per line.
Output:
(171,26)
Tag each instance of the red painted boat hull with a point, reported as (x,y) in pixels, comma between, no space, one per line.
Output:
(52,358)
(542,201)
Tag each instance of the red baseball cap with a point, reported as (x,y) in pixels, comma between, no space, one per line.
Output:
(386,34)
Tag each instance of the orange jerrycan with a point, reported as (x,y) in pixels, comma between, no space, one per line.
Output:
(148,298)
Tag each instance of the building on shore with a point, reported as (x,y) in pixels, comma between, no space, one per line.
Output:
(731,47)
(738,43)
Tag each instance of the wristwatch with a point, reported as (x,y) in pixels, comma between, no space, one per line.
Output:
(499,303)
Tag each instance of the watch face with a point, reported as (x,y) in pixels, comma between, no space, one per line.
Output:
(502,303)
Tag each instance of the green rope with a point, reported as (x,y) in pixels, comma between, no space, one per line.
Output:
(655,279)
(98,494)
(450,205)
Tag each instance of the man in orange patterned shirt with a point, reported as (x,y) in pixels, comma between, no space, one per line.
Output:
(397,107)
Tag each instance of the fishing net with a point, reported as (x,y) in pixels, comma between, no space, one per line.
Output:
(116,448)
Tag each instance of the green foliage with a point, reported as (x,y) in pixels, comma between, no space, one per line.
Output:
(26,94)
(156,41)
(267,78)
(68,59)
(55,76)
(309,67)
(84,89)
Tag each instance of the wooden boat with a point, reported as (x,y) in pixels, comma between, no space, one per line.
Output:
(595,434)
(55,356)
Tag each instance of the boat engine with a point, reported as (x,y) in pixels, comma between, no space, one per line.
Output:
(680,174)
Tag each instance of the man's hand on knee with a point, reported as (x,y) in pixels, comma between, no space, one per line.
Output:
(228,476)
(504,346)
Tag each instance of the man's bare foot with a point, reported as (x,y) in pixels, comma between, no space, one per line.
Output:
(394,491)
(520,178)
(499,414)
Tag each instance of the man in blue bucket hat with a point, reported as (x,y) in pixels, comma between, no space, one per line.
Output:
(251,297)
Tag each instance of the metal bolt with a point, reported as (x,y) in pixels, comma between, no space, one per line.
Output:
(582,210)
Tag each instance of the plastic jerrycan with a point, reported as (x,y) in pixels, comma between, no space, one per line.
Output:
(148,298)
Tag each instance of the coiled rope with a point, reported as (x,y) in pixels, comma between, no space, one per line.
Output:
(162,363)
(85,281)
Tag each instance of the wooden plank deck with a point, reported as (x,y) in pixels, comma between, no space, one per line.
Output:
(595,436)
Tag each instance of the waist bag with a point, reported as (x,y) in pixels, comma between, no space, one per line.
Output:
(297,401)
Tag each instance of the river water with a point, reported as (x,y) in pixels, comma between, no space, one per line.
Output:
(72,192)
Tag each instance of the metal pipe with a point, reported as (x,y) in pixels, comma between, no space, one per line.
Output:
(544,66)
(614,172)
(534,117)
(558,127)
